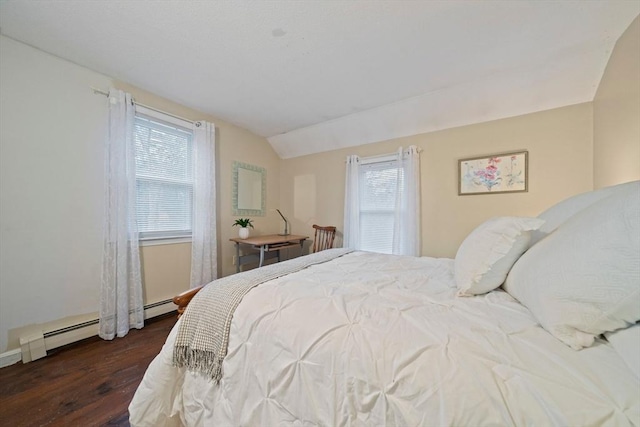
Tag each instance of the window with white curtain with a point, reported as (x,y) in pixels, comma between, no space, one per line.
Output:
(382,203)
(380,182)
(164,175)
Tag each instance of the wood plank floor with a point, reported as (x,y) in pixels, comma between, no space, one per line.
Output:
(89,383)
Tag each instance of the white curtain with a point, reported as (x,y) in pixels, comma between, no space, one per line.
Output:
(204,267)
(351,238)
(406,233)
(404,228)
(121,304)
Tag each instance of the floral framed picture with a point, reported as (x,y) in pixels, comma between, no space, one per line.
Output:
(498,173)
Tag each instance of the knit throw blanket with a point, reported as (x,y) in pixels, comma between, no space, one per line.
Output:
(203,334)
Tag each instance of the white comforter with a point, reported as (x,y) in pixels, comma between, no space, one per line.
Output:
(378,340)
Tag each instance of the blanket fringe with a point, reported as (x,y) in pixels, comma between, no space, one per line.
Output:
(204,362)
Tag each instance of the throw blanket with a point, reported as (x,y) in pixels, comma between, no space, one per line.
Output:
(203,335)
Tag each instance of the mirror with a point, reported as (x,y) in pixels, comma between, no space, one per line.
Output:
(249,189)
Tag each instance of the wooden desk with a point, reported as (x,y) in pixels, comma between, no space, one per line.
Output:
(266,245)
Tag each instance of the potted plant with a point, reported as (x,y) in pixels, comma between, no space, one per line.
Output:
(244,224)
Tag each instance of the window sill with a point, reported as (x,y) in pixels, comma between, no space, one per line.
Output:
(155,241)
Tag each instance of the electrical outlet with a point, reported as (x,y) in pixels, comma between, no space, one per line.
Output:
(235,260)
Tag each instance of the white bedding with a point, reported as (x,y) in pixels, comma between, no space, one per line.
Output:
(373,340)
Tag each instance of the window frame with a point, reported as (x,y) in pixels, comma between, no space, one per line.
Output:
(375,163)
(151,238)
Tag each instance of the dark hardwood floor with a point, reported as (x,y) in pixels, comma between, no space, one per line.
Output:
(89,383)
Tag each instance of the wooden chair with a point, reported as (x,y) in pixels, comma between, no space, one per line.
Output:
(323,238)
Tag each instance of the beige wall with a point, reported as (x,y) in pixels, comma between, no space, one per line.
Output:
(560,164)
(617,114)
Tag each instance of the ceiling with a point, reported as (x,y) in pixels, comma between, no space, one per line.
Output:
(313,76)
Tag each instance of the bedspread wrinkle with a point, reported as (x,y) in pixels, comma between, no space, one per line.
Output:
(203,337)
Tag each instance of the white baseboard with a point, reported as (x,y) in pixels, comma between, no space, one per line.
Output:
(70,337)
(79,332)
(93,330)
(10,357)
(159,310)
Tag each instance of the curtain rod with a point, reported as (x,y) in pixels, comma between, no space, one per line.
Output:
(102,92)
(381,157)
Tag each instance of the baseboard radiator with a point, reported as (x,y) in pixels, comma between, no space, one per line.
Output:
(35,346)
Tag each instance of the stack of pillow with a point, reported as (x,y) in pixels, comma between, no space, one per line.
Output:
(576,267)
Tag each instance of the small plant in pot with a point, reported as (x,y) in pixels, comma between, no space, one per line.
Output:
(244,224)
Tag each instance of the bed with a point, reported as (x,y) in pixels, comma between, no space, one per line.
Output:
(533,323)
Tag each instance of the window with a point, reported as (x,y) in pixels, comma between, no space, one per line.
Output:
(164,175)
(379,185)
(382,203)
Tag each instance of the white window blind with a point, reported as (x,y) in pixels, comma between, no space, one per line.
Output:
(164,178)
(379,186)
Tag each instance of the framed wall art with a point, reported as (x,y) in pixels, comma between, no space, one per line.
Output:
(497,173)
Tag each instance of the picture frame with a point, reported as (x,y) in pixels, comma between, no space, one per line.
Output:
(494,174)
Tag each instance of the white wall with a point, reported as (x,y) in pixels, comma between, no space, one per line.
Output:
(51,180)
(51,148)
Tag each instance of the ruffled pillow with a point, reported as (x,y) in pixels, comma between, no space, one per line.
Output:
(487,254)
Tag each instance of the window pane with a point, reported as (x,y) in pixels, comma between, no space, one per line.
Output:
(376,231)
(378,189)
(162,151)
(164,178)
(163,206)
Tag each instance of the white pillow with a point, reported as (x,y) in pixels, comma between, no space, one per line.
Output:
(562,211)
(485,257)
(626,342)
(584,278)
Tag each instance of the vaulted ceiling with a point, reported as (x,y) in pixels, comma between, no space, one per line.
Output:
(312,76)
